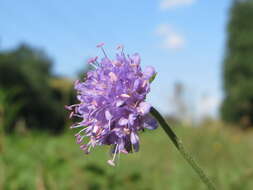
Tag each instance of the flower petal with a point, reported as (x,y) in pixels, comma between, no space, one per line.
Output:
(150,122)
(131,118)
(149,72)
(108,115)
(123,121)
(119,103)
(135,141)
(136,58)
(144,108)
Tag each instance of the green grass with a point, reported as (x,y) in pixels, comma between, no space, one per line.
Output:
(40,161)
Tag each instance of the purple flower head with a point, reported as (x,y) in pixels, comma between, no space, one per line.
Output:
(112,104)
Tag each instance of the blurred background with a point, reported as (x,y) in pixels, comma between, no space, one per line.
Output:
(203,53)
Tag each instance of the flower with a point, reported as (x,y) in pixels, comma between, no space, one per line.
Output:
(112,104)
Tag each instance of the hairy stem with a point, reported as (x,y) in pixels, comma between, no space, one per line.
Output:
(179,145)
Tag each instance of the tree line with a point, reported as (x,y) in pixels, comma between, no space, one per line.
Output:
(237,106)
(30,92)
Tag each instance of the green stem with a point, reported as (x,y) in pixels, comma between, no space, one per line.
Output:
(179,145)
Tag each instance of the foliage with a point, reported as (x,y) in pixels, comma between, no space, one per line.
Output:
(29,70)
(40,161)
(9,109)
(238,66)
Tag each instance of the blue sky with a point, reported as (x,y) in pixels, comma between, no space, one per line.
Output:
(183,39)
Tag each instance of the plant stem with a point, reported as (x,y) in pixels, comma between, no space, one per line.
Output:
(179,145)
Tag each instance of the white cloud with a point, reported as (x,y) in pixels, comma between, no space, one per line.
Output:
(170,38)
(167,4)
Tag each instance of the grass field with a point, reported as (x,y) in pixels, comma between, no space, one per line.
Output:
(40,161)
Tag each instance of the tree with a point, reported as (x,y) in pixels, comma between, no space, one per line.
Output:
(29,70)
(237,106)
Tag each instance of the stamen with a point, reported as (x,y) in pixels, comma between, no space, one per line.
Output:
(112,162)
(82,130)
(125,95)
(71,114)
(71,106)
(121,47)
(109,124)
(116,149)
(77,115)
(93,65)
(103,51)
(75,126)
(113,76)
(89,148)
(79,139)
(101,46)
